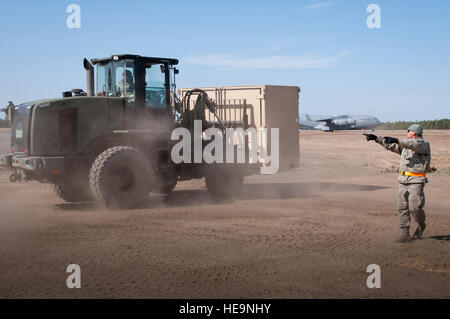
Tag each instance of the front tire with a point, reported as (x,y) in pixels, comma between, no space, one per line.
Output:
(119,178)
(72,193)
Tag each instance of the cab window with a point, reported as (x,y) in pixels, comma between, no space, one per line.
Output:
(117,79)
(104,80)
(155,86)
(125,80)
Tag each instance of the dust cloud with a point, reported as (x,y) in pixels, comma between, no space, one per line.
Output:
(288,235)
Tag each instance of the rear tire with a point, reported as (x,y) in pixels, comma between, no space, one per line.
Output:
(119,178)
(165,182)
(224,182)
(164,189)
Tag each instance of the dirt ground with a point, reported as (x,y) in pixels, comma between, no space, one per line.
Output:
(305,233)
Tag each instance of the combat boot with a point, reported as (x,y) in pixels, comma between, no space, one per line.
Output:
(419,231)
(404,237)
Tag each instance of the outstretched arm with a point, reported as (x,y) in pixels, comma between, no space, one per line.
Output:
(389,143)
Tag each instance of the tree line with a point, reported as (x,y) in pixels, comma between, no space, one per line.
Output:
(443,124)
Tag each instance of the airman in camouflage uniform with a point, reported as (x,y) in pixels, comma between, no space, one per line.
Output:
(414,164)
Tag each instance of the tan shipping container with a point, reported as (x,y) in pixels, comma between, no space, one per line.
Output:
(267,106)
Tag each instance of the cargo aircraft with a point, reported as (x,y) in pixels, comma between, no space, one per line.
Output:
(340,122)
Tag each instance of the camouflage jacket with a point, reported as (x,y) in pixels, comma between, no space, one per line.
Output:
(415,158)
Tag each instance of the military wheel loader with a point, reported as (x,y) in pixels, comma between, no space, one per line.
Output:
(113,144)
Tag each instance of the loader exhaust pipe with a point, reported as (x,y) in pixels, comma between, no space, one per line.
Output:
(89,77)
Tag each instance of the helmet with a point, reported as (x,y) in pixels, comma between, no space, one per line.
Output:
(416,128)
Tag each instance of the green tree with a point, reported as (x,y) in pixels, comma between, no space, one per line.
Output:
(443,124)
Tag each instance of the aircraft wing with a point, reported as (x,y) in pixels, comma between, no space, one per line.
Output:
(328,120)
(324,124)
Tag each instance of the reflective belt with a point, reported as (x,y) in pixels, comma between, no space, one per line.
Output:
(413,174)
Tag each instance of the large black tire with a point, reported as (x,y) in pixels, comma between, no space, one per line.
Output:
(224,182)
(119,178)
(72,193)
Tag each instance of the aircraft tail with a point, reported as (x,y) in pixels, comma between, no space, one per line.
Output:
(308,118)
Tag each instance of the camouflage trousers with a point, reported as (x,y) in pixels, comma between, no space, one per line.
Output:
(411,200)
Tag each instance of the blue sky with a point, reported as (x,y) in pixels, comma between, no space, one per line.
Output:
(398,72)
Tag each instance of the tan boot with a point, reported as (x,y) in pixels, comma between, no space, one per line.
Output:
(419,231)
(404,237)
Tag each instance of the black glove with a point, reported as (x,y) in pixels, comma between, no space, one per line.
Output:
(390,140)
(370,137)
